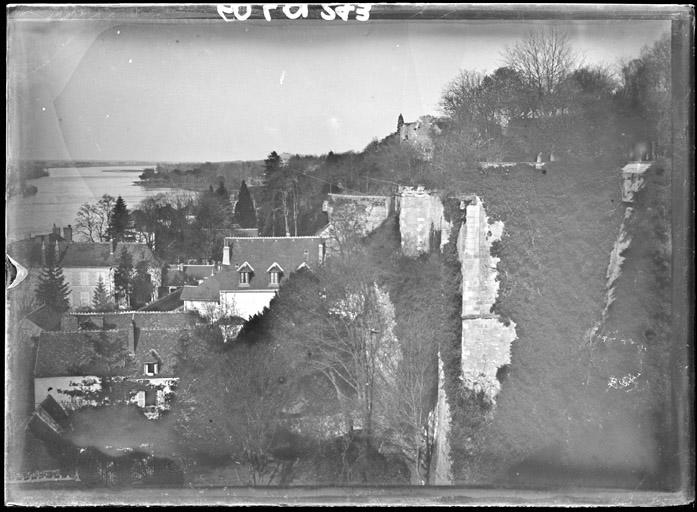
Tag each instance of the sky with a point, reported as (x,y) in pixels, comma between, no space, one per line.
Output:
(206,90)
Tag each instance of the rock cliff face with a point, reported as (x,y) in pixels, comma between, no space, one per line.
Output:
(633,180)
(441,472)
(486,340)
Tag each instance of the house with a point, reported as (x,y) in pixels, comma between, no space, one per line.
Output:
(83,263)
(252,271)
(110,358)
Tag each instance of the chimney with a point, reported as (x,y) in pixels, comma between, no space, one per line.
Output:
(68,233)
(226,255)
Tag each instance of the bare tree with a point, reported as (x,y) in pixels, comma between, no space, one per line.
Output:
(231,403)
(342,321)
(543,60)
(461,96)
(92,221)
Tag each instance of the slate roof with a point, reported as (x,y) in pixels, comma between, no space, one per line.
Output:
(209,290)
(78,254)
(164,344)
(46,318)
(261,253)
(169,302)
(58,354)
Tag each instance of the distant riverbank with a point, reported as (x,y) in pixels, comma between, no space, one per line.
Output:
(60,194)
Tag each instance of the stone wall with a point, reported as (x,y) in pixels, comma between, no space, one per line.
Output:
(351,215)
(419,135)
(633,179)
(422,223)
(486,341)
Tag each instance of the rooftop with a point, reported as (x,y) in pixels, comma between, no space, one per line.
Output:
(77,254)
(71,353)
(261,253)
(46,318)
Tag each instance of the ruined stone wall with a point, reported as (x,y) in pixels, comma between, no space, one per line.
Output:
(419,135)
(422,223)
(363,212)
(486,341)
(351,215)
(633,179)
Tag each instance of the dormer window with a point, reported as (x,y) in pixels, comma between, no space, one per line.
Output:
(246,272)
(275,271)
(151,369)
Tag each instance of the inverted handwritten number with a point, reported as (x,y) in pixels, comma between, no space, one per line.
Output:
(327,13)
(301,11)
(363,12)
(223,10)
(343,11)
(267,10)
(235,11)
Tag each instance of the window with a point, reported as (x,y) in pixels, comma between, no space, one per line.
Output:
(151,369)
(274,277)
(84,298)
(84,278)
(245,271)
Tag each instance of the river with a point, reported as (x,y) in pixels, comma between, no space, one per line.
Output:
(65,189)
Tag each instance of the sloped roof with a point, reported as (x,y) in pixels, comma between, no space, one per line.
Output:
(164,342)
(260,253)
(58,354)
(210,288)
(169,302)
(46,318)
(77,254)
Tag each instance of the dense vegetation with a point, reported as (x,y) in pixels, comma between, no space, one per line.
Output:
(571,393)
(350,347)
(200,176)
(585,388)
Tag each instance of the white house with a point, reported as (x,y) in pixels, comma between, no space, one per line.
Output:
(252,271)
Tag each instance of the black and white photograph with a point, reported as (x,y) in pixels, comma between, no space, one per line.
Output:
(349,254)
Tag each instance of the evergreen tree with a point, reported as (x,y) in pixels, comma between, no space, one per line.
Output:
(245,215)
(123,277)
(222,191)
(141,285)
(100,297)
(52,289)
(119,220)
